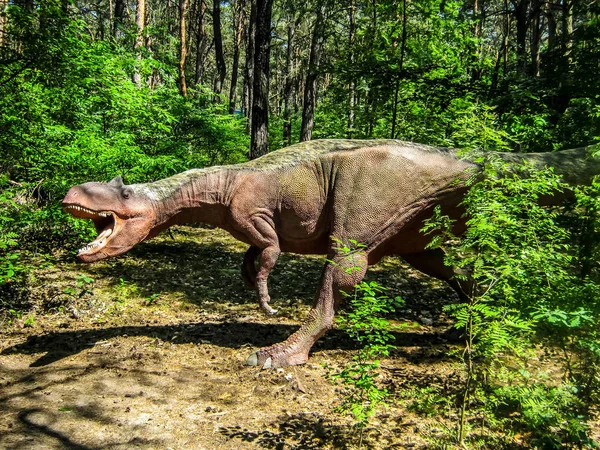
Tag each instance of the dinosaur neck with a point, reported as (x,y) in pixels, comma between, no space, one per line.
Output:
(195,196)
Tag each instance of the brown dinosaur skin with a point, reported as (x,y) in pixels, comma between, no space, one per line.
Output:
(297,200)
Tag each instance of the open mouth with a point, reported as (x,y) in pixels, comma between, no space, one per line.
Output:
(104,221)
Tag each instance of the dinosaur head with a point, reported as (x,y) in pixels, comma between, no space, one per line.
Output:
(123,217)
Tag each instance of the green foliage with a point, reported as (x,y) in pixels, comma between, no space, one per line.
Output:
(440,71)
(522,288)
(10,267)
(551,413)
(427,401)
(125,290)
(365,323)
(84,284)
(70,113)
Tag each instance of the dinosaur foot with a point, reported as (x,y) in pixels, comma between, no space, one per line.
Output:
(267,309)
(277,356)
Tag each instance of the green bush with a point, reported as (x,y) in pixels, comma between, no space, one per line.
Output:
(527,290)
(70,113)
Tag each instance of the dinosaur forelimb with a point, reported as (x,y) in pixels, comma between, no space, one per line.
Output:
(257,281)
(267,260)
(261,231)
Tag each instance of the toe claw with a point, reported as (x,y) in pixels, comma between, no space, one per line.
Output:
(267,309)
(268,363)
(252,360)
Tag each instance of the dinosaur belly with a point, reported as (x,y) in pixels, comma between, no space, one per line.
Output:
(301,205)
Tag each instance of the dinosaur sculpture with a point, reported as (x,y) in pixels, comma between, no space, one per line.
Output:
(296,200)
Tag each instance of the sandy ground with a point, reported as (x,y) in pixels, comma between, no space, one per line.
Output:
(150,355)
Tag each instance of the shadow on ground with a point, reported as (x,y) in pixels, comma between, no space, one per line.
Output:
(298,431)
(30,421)
(160,375)
(202,266)
(62,344)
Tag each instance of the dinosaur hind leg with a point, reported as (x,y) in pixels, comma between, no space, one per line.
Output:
(431,262)
(334,279)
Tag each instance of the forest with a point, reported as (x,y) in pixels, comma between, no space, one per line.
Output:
(147,89)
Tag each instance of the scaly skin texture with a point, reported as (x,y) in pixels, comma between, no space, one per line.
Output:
(298,199)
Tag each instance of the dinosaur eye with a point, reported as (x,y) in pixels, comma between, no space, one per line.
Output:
(126,193)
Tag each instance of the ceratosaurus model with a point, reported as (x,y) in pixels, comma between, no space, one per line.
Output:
(296,200)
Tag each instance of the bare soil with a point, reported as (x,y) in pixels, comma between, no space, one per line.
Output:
(150,355)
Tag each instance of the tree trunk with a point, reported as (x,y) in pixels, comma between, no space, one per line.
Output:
(505,41)
(3,23)
(219,57)
(259,138)
(201,41)
(549,13)
(478,15)
(118,16)
(238,24)
(352,87)
(299,81)
(289,83)
(401,68)
(249,66)
(520,12)
(310,88)
(140,21)
(370,111)
(567,30)
(495,73)
(536,36)
(183,4)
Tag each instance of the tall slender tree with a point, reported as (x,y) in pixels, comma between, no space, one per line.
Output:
(289,81)
(310,87)
(183,7)
(400,69)
(219,56)
(140,21)
(259,137)
(239,7)
(567,29)
(351,59)
(3,22)
(521,13)
(118,16)
(249,65)
(201,40)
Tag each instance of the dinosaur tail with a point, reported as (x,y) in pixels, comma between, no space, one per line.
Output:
(576,166)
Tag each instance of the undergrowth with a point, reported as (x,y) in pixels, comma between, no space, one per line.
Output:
(525,293)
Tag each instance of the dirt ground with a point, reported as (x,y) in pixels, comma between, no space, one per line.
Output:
(150,355)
